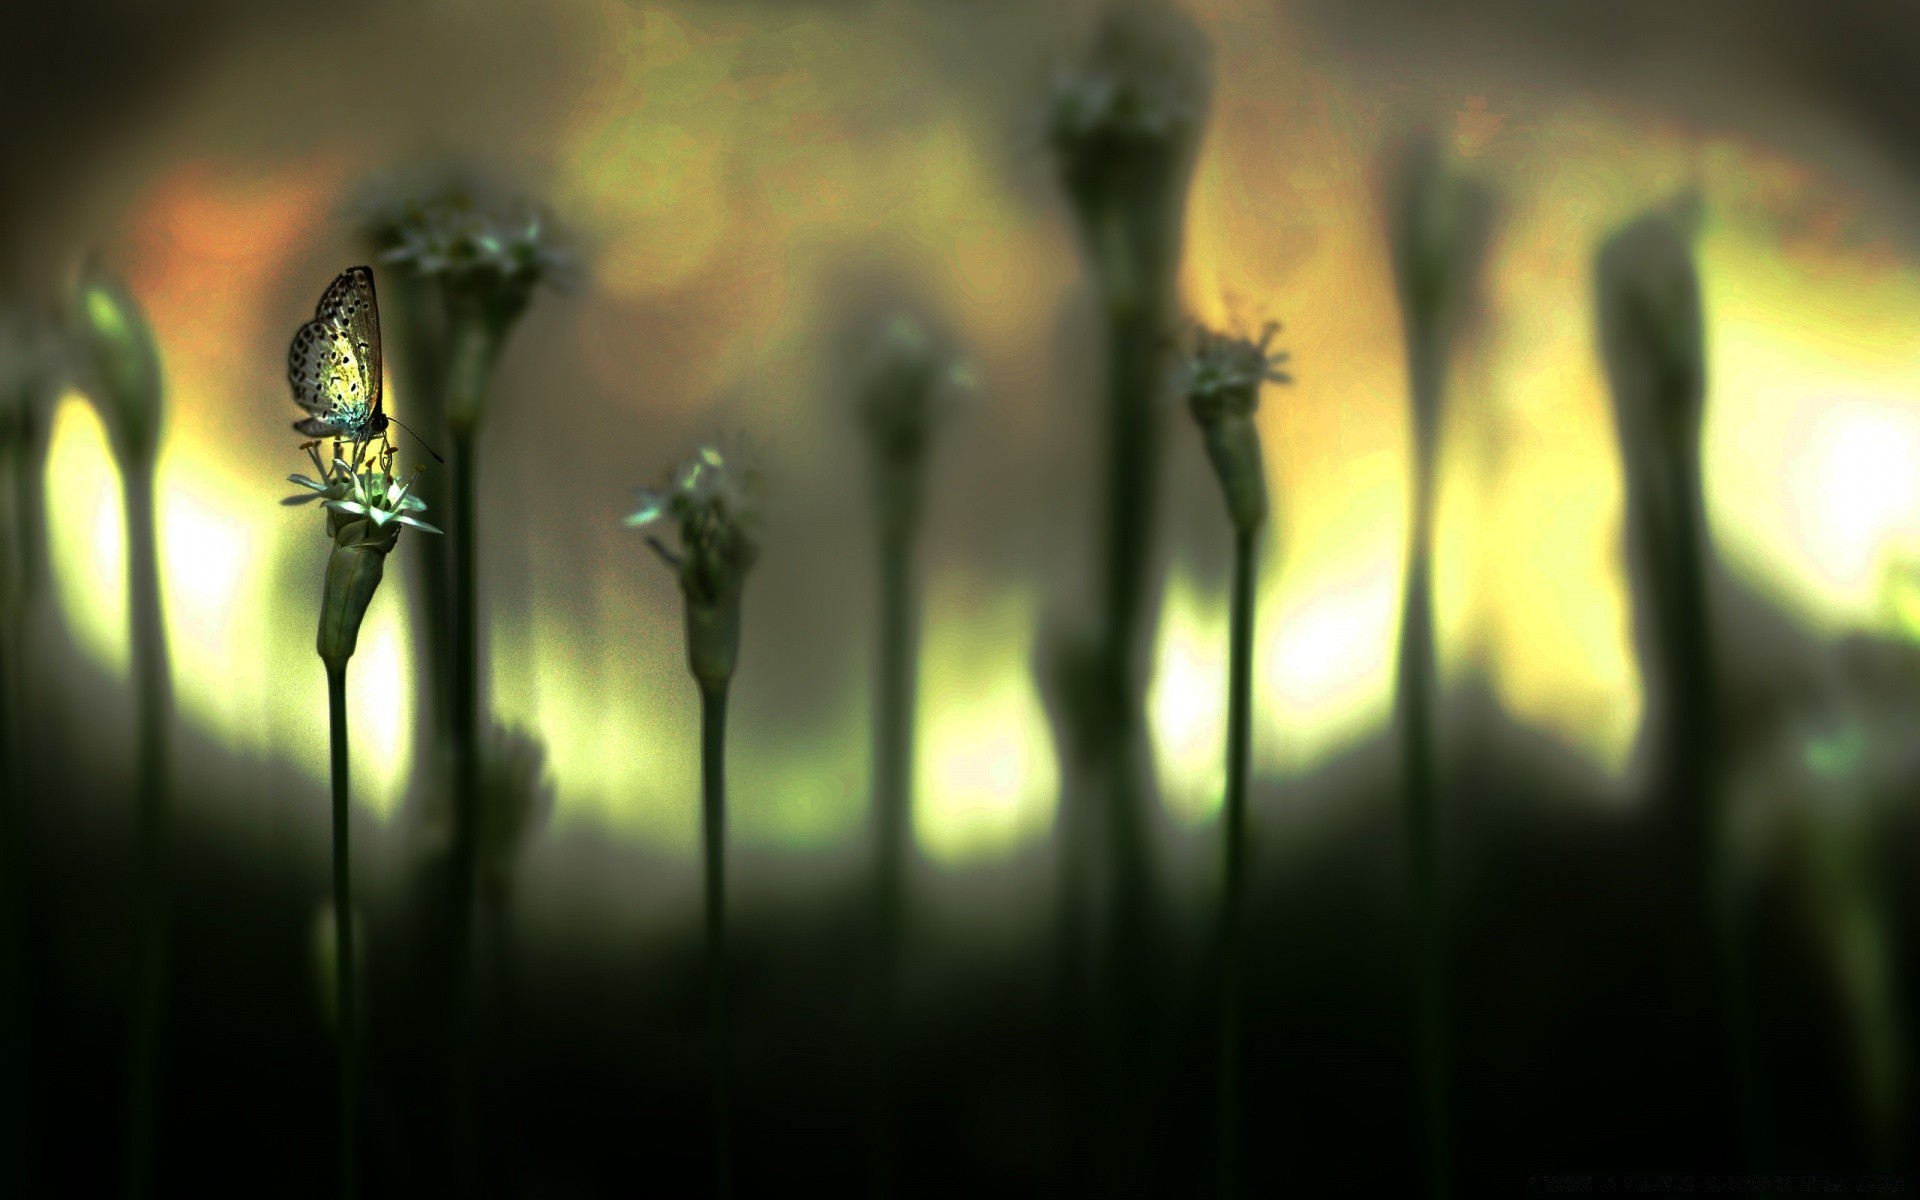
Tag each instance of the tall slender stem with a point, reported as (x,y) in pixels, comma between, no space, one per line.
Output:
(713,822)
(1416,730)
(466,698)
(16,973)
(1233,909)
(893,809)
(345,991)
(463,867)
(152,698)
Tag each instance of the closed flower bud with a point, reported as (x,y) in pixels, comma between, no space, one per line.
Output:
(1651,330)
(353,575)
(118,364)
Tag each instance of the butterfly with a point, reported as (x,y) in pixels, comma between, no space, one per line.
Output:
(334,363)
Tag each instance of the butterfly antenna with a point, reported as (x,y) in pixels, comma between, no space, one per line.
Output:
(423,443)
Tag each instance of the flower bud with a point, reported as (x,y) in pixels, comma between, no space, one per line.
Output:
(353,575)
(119,366)
(1651,330)
(1234,447)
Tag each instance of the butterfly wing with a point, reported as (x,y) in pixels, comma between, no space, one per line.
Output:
(334,366)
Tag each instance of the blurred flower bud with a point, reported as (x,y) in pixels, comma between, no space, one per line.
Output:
(487,250)
(1438,223)
(1123,123)
(899,408)
(1652,334)
(118,365)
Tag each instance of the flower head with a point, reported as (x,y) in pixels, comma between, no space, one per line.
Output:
(1121,118)
(908,375)
(1222,375)
(1221,379)
(487,248)
(366,504)
(903,380)
(714,502)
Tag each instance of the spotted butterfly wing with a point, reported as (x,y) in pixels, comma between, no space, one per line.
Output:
(334,363)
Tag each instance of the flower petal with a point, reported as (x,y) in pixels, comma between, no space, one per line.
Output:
(653,505)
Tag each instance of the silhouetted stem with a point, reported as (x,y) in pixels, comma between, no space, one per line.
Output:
(713,823)
(1131,286)
(16,1024)
(463,866)
(344,964)
(1416,727)
(1233,906)
(152,699)
(893,808)
(1696,808)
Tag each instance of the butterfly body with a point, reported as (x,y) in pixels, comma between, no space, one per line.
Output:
(333,364)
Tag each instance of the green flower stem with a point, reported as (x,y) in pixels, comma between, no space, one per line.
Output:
(1233,910)
(713,824)
(1132,474)
(152,698)
(345,992)
(1416,728)
(893,718)
(472,350)
(465,691)
(1697,783)
(464,863)
(16,1018)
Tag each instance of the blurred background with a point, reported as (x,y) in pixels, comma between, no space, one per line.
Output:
(741,185)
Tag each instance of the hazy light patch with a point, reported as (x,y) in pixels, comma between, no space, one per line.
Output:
(380,704)
(86,533)
(1187,700)
(380,701)
(1856,486)
(1549,585)
(215,601)
(985,775)
(800,785)
(620,718)
(1326,650)
(1813,427)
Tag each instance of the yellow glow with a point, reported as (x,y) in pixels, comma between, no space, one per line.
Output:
(986,778)
(1813,424)
(1187,700)
(86,529)
(217,598)
(619,715)
(379,705)
(1325,662)
(720,168)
